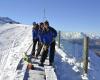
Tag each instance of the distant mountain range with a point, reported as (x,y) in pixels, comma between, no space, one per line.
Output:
(80,35)
(4,20)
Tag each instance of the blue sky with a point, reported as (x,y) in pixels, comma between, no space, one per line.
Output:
(64,15)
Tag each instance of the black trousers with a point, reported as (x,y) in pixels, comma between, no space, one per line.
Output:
(44,54)
(40,45)
(34,46)
(52,52)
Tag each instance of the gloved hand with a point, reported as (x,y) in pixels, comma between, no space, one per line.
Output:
(45,46)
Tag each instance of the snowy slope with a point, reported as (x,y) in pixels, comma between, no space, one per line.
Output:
(14,40)
(66,67)
(71,53)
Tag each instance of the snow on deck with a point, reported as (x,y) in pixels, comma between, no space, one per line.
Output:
(40,73)
(50,71)
(35,74)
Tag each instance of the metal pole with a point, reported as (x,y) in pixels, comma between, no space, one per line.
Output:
(59,38)
(44,17)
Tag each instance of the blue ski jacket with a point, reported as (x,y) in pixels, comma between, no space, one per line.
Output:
(35,34)
(40,35)
(54,32)
(47,37)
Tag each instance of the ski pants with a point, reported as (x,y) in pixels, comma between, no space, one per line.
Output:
(40,45)
(34,46)
(52,52)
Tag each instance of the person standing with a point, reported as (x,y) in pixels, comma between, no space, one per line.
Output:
(48,37)
(40,45)
(52,45)
(35,37)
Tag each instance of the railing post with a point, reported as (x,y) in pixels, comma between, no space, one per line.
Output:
(86,47)
(59,39)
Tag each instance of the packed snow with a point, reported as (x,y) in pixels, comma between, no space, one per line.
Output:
(16,38)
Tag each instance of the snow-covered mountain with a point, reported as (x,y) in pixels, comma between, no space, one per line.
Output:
(72,35)
(4,20)
(94,35)
(79,35)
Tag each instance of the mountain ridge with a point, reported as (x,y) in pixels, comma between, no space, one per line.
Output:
(4,20)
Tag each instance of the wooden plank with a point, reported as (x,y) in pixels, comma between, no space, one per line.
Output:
(49,71)
(50,74)
(86,50)
(42,73)
(38,73)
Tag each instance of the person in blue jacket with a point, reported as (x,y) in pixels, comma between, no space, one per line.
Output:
(35,37)
(52,45)
(40,45)
(48,36)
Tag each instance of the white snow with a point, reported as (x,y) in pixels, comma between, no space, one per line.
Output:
(65,66)
(14,39)
(50,74)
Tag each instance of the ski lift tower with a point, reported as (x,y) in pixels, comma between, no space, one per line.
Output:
(44,16)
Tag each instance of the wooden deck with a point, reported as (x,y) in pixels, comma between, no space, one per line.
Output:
(40,73)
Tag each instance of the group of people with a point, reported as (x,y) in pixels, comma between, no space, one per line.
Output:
(44,35)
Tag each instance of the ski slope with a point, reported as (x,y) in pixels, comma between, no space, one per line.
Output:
(16,38)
